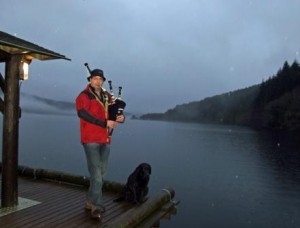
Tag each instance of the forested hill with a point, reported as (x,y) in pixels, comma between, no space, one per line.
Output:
(273,104)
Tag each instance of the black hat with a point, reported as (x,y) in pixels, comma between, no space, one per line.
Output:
(96,72)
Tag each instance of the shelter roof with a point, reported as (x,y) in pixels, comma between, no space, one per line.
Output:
(13,45)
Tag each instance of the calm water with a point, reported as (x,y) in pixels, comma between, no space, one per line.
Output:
(223,176)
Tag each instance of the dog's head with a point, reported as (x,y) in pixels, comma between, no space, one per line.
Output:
(144,170)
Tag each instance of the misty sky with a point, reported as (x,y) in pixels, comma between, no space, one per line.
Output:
(162,52)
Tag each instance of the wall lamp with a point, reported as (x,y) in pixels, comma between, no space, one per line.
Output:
(24,69)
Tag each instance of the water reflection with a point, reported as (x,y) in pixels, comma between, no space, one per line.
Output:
(282,154)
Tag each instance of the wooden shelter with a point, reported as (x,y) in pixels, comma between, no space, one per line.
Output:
(14,52)
(56,198)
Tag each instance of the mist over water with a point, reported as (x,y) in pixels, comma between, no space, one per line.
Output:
(224,176)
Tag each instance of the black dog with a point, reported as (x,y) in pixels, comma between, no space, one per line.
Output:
(136,188)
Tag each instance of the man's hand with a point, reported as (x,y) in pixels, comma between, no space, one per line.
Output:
(120,119)
(111,124)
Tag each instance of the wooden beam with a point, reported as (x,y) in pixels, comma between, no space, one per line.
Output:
(2,86)
(4,56)
(9,190)
(2,83)
(1,105)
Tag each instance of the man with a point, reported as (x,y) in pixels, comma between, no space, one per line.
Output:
(92,109)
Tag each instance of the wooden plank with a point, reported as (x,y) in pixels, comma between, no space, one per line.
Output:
(53,205)
(62,205)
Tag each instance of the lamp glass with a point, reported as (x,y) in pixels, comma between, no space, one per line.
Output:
(25,70)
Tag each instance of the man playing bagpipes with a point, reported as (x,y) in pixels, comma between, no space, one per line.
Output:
(99,114)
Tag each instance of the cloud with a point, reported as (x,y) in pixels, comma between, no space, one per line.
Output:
(162,52)
(40,105)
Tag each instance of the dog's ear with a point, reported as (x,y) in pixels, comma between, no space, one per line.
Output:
(137,169)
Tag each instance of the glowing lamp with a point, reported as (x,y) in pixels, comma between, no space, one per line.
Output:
(24,69)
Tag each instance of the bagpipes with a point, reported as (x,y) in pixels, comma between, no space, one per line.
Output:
(116,106)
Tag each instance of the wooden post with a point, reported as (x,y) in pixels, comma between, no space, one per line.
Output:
(10,143)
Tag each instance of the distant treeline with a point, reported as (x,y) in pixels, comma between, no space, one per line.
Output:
(274,104)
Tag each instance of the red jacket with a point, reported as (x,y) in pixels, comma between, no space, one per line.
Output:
(92,111)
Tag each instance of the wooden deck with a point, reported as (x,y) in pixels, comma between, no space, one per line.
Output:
(61,204)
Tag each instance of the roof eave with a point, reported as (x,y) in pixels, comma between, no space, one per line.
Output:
(15,49)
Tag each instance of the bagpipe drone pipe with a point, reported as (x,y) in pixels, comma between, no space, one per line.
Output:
(116,106)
